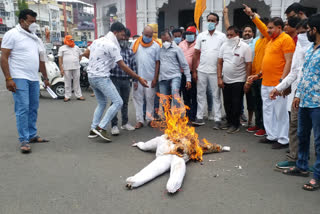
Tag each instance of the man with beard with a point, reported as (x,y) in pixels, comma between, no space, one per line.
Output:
(296,10)
(104,55)
(234,66)
(290,84)
(307,99)
(122,81)
(276,65)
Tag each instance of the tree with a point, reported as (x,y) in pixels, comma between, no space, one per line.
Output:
(22,5)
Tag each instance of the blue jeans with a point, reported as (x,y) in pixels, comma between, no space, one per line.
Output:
(104,89)
(171,87)
(308,119)
(26,104)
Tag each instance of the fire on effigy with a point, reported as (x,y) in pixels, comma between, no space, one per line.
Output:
(174,148)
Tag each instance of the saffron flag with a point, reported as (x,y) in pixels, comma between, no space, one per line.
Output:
(201,5)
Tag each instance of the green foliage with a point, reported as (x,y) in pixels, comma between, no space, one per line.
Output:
(22,4)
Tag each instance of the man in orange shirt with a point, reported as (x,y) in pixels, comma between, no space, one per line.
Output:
(275,66)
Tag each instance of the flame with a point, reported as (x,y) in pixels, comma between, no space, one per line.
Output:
(174,123)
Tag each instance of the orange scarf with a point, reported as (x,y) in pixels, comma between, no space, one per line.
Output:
(68,41)
(140,41)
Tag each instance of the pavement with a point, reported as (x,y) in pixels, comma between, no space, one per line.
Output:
(75,175)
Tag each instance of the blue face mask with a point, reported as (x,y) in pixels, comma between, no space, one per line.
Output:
(146,39)
(211,26)
(190,38)
(177,40)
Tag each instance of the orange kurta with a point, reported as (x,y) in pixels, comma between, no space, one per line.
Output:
(274,61)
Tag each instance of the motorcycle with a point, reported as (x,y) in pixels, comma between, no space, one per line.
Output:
(84,81)
(54,76)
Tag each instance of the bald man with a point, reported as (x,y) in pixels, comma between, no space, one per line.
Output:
(147,54)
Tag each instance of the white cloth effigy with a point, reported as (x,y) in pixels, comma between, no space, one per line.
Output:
(41,48)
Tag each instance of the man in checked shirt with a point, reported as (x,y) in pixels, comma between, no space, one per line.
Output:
(122,81)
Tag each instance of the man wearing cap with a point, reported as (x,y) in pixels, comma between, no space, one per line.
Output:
(189,96)
(69,63)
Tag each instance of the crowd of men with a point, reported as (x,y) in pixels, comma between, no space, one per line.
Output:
(277,70)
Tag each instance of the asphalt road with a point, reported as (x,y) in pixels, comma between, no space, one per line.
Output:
(75,175)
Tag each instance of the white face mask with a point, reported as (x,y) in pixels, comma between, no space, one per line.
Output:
(247,40)
(166,44)
(234,40)
(33,27)
(303,39)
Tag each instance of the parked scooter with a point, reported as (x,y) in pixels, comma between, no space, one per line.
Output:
(54,76)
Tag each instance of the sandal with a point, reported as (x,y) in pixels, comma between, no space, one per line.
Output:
(295,171)
(81,98)
(66,100)
(38,139)
(25,148)
(312,187)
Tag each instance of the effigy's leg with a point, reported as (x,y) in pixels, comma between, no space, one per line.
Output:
(177,172)
(157,167)
(150,145)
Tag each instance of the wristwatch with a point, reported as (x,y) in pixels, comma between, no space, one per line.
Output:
(280,80)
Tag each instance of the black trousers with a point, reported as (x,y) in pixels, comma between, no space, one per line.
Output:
(256,91)
(189,97)
(233,98)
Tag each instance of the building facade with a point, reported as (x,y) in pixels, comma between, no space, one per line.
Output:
(180,12)
(7,15)
(48,17)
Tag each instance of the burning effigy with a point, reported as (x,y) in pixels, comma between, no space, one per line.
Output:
(174,148)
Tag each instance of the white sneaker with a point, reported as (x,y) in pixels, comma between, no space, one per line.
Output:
(127,127)
(210,116)
(115,130)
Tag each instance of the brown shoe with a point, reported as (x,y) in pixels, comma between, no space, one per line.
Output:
(277,145)
(66,99)
(138,125)
(267,141)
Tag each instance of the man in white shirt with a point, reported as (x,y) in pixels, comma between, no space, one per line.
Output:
(23,55)
(104,55)
(69,63)
(234,66)
(208,43)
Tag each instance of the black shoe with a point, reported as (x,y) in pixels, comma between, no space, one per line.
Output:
(225,126)
(217,125)
(233,130)
(267,141)
(198,122)
(277,145)
(103,134)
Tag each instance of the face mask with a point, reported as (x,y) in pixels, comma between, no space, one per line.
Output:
(234,40)
(190,38)
(177,40)
(166,44)
(33,27)
(124,44)
(146,39)
(211,26)
(303,39)
(247,40)
(311,37)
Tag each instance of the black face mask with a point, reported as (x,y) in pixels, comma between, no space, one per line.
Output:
(311,37)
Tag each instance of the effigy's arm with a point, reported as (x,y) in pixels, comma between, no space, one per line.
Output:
(150,145)
(213,148)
